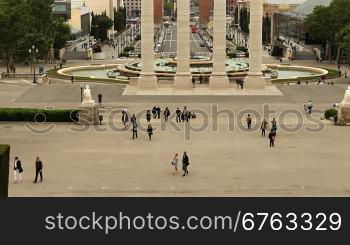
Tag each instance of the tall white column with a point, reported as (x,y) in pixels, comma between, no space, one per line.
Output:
(255,79)
(219,77)
(183,73)
(111,16)
(147,79)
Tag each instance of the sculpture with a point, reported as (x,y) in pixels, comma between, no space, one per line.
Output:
(87,99)
(344,109)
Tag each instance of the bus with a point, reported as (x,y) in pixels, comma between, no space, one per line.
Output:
(194,29)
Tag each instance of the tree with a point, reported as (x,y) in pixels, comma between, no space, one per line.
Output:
(325,22)
(236,15)
(24,23)
(13,16)
(244,20)
(267,29)
(120,19)
(343,39)
(62,34)
(100,26)
(168,8)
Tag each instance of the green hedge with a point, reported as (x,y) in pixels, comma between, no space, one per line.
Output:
(242,49)
(129,48)
(232,55)
(124,54)
(38,115)
(4,169)
(330,113)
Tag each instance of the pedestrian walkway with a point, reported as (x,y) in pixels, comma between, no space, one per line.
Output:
(268,91)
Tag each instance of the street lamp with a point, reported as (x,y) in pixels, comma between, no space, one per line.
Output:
(33,51)
(81,93)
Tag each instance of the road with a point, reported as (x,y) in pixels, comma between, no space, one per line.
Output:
(169,47)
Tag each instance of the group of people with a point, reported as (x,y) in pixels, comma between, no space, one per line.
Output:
(184,115)
(264,126)
(308,106)
(181,116)
(185,163)
(18,170)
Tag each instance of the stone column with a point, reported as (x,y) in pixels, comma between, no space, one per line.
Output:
(219,77)
(255,79)
(111,16)
(147,79)
(183,73)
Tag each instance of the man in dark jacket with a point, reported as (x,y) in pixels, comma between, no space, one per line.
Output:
(18,170)
(158,112)
(185,164)
(272,138)
(178,115)
(134,130)
(38,170)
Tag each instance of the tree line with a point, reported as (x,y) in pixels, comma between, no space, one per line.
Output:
(331,24)
(24,23)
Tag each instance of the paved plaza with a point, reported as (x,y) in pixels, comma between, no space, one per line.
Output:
(105,161)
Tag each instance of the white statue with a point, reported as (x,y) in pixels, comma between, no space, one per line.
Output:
(347,95)
(87,99)
(344,109)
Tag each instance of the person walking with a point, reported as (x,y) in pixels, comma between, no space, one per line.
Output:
(150,131)
(175,162)
(154,112)
(134,129)
(166,114)
(18,170)
(133,119)
(148,116)
(38,170)
(274,125)
(200,79)
(249,121)
(185,164)
(263,127)
(178,114)
(125,119)
(272,138)
(158,112)
(185,116)
(309,107)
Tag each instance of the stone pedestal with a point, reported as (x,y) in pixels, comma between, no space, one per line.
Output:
(344,114)
(147,79)
(219,79)
(344,109)
(89,114)
(255,79)
(255,82)
(183,74)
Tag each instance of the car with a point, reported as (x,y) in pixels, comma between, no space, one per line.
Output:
(202,45)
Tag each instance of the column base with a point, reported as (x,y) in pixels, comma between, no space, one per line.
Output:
(254,82)
(219,81)
(183,82)
(147,82)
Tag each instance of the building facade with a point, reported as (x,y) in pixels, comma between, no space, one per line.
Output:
(230,7)
(133,9)
(62,8)
(205,10)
